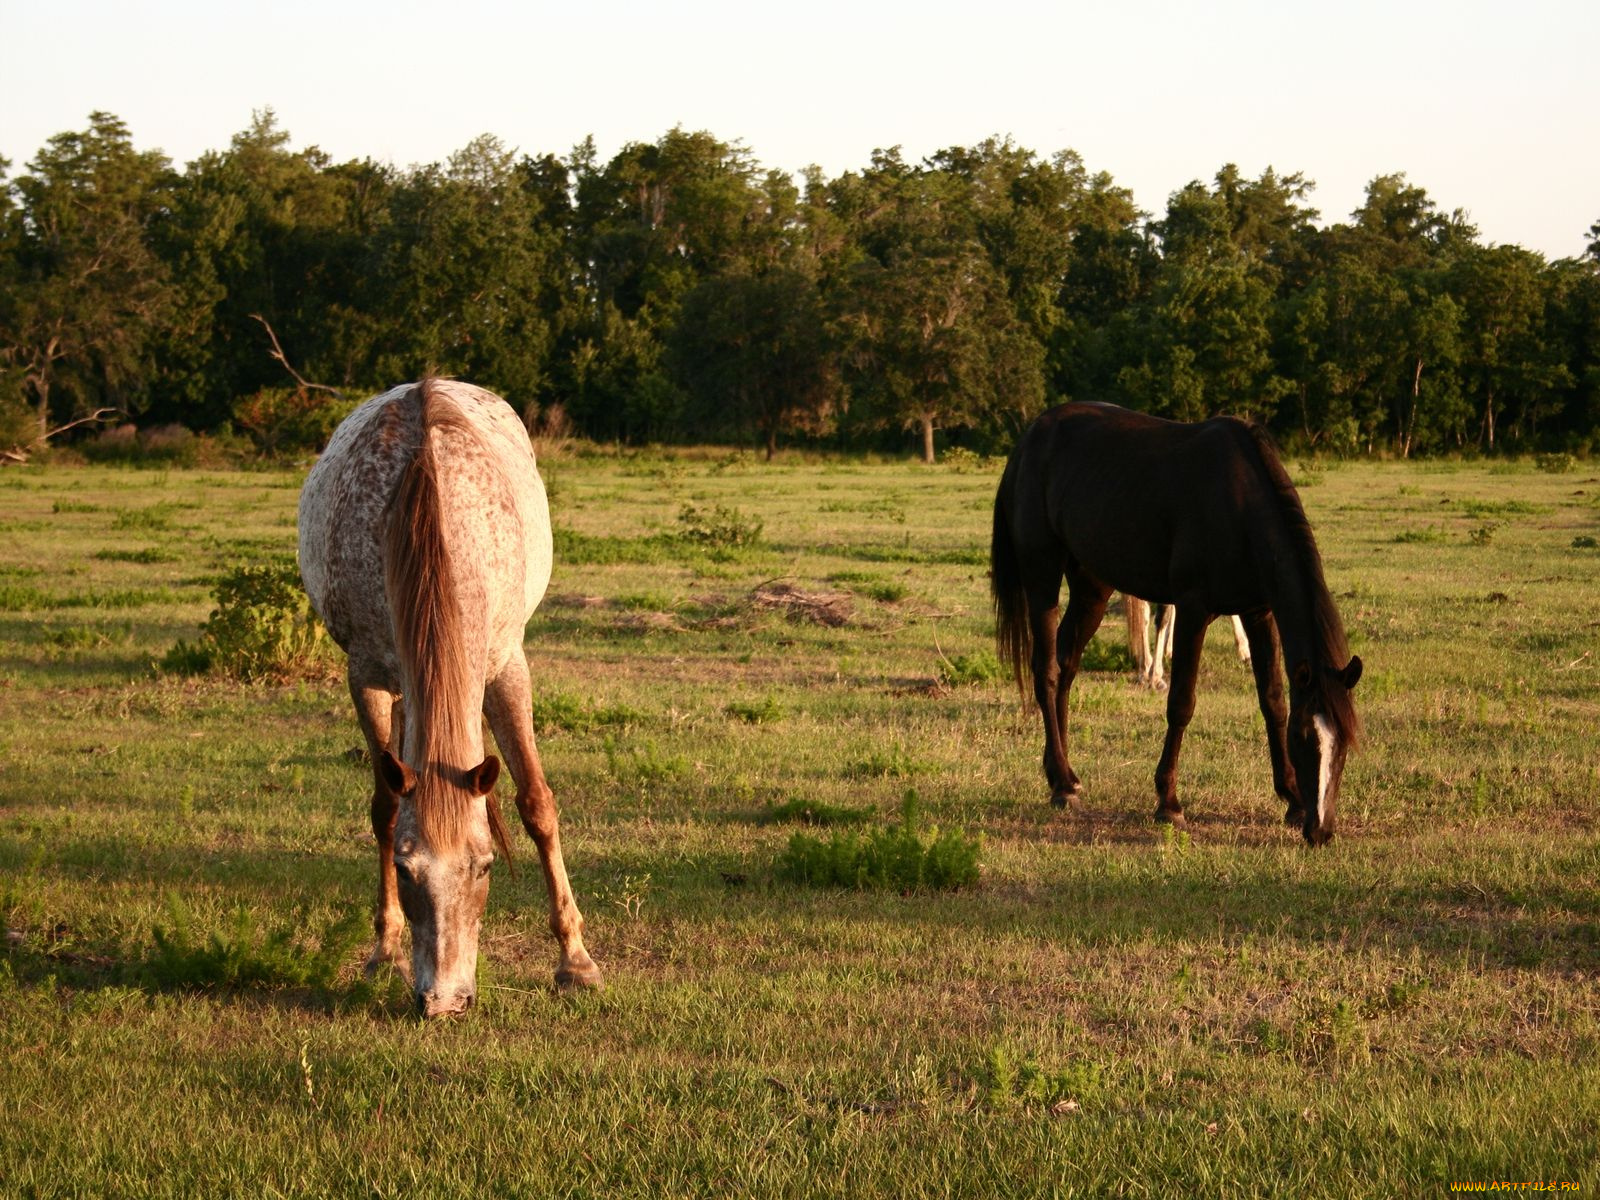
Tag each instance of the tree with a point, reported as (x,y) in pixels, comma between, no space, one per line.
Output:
(87,295)
(755,348)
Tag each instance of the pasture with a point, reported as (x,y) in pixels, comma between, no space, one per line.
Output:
(1113,1009)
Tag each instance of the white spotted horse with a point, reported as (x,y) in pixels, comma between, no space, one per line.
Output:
(425,545)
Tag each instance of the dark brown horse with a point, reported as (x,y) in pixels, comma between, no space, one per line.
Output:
(1201,516)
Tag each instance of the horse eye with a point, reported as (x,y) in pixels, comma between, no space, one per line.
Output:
(403,871)
(483,869)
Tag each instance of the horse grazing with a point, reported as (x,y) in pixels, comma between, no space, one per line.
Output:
(425,546)
(1202,516)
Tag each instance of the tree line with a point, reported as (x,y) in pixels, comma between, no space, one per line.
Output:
(679,291)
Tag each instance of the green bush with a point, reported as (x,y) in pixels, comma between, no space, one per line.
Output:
(721,528)
(243,955)
(981,666)
(290,420)
(897,857)
(263,625)
(755,712)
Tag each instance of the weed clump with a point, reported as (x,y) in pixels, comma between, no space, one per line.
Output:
(756,712)
(720,528)
(244,955)
(964,670)
(898,857)
(263,626)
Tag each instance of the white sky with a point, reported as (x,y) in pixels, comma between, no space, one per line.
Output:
(1488,105)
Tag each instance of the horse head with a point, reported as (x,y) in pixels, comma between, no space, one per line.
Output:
(442,869)
(1322,730)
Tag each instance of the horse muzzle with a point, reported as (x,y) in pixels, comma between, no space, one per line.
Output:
(431,1005)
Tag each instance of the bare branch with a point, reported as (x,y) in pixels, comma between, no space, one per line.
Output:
(99,414)
(280,357)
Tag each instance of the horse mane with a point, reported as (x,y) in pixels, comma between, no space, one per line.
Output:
(437,666)
(1327,629)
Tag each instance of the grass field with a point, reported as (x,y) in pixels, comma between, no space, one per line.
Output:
(1112,1010)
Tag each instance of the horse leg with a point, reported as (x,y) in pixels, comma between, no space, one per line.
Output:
(1187,643)
(1044,601)
(1086,607)
(1163,647)
(375,711)
(508,700)
(1262,631)
(1241,640)
(1137,612)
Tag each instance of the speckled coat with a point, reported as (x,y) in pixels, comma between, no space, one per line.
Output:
(507,527)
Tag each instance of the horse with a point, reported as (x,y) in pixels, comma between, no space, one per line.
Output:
(1151,663)
(1199,515)
(425,546)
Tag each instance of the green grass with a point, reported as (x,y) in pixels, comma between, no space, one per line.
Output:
(1109,1009)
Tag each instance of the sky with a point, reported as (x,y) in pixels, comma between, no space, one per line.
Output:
(1487,105)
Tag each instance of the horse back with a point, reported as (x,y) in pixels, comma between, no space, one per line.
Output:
(1159,509)
(492,508)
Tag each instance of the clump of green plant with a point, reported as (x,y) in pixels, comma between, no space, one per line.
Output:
(720,528)
(245,955)
(1007,1082)
(1417,536)
(146,555)
(899,856)
(1585,541)
(263,625)
(981,666)
(1102,654)
(561,710)
(290,420)
(756,712)
(1484,534)
(1557,463)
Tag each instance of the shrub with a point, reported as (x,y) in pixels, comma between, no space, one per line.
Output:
(897,857)
(721,528)
(811,812)
(243,955)
(263,625)
(1102,654)
(164,446)
(760,712)
(981,666)
(290,420)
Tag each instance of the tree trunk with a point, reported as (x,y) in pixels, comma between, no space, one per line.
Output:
(772,441)
(927,437)
(1411,417)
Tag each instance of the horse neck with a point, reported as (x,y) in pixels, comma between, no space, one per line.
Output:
(1292,586)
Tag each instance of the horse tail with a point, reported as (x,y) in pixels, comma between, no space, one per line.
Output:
(1013,636)
(1137,612)
(423,591)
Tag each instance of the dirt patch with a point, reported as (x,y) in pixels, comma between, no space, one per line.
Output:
(833,609)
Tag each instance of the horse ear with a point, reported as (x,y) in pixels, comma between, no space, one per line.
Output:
(481,778)
(1302,674)
(1351,675)
(400,778)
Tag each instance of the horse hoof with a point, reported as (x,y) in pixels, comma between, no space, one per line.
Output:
(1071,799)
(1171,816)
(579,977)
(1294,816)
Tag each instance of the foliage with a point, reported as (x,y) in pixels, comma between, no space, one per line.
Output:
(898,857)
(756,712)
(981,666)
(679,290)
(263,625)
(289,420)
(244,955)
(719,528)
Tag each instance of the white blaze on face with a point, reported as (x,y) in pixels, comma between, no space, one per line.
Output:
(1325,748)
